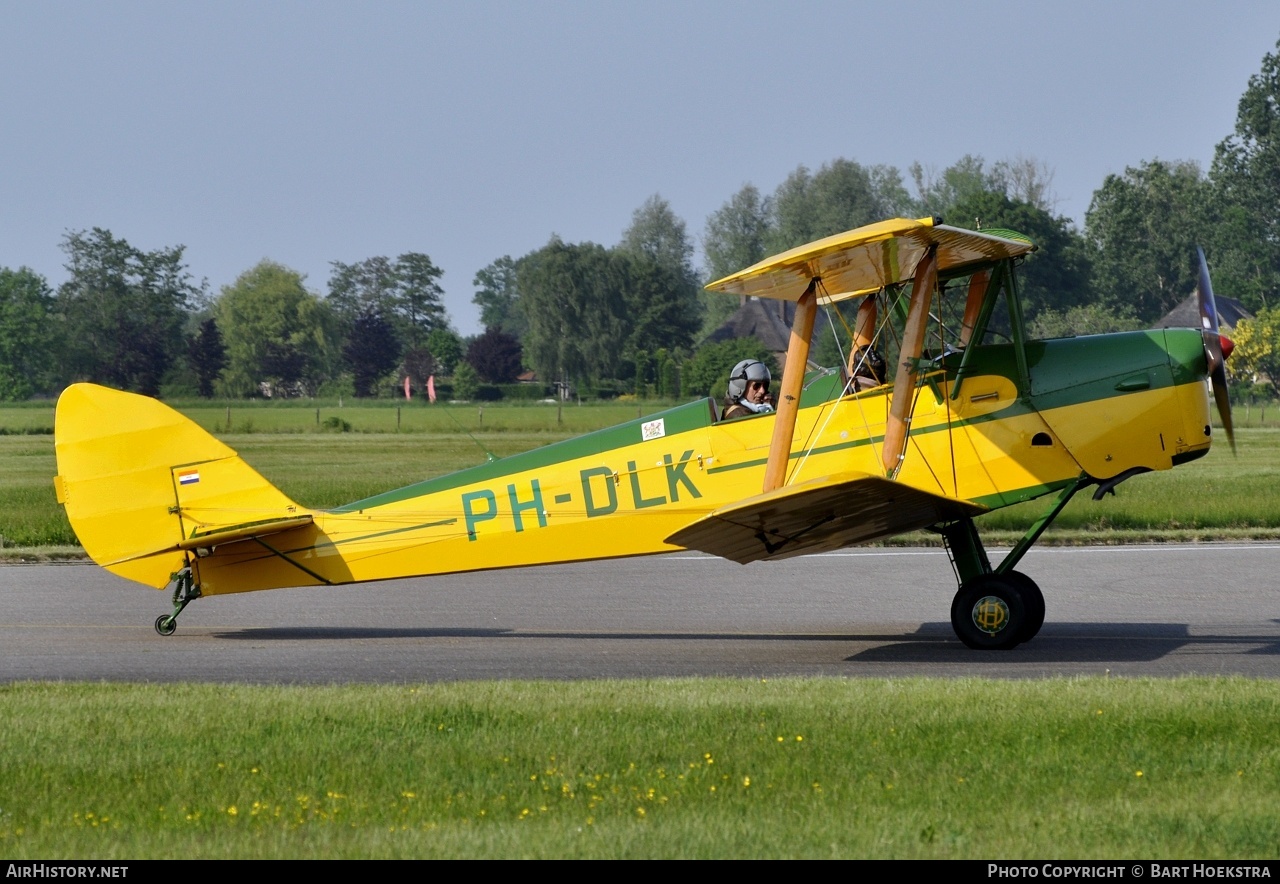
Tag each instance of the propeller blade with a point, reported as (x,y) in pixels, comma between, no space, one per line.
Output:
(1214,351)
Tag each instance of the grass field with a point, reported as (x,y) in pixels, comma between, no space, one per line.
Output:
(815,768)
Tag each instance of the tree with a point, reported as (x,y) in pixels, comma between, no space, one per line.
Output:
(28,334)
(1246,179)
(1022,180)
(1027,180)
(370,351)
(418,365)
(707,373)
(208,355)
(496,356)
(278,334)
(576,310)
(660,308)
(445,347)
(1257,351)
(419,297)
(735,238)
(1084,319)
(840,196)
(466,383)
(1143,227)
(498,297)
(736,233)
(123,310)
(1056,276)
(966,178)
(658,238)
(406,292)
(658,233)
(356,288)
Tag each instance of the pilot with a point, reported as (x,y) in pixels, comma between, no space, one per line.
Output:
(748,390)
(867,367)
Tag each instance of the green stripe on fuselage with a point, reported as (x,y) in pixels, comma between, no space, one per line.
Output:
(682,419)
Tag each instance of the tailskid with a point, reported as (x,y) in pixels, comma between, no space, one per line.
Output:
(185,591)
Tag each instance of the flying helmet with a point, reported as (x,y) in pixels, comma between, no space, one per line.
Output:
(746,370)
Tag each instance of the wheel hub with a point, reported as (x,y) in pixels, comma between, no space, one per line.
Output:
(990,614)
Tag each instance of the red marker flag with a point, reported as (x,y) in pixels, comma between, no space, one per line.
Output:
(407,393)
(431,388)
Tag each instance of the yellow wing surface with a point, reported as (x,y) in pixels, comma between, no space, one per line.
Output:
(818,516)
(867,259)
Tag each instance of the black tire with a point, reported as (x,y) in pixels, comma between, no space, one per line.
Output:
(1032,600)
(166,624)
(988,613)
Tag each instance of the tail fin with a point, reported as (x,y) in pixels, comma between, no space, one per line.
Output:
(142,485)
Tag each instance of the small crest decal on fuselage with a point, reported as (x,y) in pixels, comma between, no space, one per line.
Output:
(652,430)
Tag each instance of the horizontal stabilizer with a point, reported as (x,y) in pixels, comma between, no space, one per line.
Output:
(231,533)
(818,516)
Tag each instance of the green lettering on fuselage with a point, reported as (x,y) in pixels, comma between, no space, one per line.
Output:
(599,495)
(641,502)
(589,499)
(535,504)
(471,517)
(676,476)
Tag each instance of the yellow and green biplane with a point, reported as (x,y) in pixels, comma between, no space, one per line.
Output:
(976,416)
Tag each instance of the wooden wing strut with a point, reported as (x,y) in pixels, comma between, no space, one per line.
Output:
(895,436)
(784,427)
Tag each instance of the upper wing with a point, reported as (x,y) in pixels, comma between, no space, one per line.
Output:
(823,514)
(869,258)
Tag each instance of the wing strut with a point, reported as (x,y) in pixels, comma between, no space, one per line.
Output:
(784,427)
(973,305)
(895,435)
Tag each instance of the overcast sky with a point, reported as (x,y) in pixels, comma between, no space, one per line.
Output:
(308,132)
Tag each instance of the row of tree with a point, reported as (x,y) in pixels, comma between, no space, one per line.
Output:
(631,316)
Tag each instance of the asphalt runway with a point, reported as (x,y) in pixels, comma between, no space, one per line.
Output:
(1161,610)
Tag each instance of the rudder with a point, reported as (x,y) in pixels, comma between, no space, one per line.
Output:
(139,481)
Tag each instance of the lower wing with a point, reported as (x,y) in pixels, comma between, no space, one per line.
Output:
(817,516)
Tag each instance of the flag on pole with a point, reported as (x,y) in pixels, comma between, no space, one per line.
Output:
(407,389)
(431,388)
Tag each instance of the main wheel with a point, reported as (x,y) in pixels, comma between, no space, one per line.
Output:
(166,624)
(989,614)
(1032,599)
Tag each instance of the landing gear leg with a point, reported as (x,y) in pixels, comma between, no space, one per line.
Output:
(984,613)
(185,591)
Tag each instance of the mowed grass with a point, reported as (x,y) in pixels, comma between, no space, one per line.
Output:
(914,768)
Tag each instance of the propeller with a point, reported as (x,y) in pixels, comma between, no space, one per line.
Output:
(1217,348)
